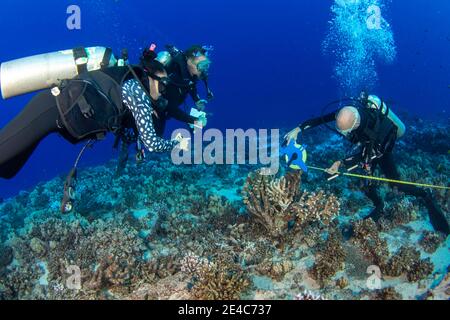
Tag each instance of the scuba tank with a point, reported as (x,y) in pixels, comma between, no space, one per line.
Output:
(44,71)
(376,103)
(164,57)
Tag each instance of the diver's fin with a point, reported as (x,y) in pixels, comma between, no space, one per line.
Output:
(437,218)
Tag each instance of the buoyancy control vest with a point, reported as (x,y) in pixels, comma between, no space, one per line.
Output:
(90,105)
(376,134)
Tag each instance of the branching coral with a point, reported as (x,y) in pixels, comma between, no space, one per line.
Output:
(277,204)
(195,266)
(275,269)
(316,207)
(270,200)
(163,267)
(213,272)
(111,272)
(221,281)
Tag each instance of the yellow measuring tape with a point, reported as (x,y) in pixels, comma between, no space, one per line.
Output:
(383,179)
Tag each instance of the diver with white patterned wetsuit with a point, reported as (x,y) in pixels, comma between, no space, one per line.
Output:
(86,108)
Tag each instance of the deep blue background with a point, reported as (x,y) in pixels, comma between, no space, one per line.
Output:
(268,71)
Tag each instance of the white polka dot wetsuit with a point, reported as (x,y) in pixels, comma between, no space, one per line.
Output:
(140,105)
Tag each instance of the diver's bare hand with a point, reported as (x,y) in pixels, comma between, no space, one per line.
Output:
(334,169)
(293,135)
(183,143)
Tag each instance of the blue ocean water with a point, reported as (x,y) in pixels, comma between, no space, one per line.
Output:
(163,231)
(269,67)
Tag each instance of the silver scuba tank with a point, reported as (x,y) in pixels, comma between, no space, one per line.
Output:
(47,70)
(376,103)
(164,57)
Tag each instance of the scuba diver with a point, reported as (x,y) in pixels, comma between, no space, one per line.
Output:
(85,108)
(373,130)
(185,70)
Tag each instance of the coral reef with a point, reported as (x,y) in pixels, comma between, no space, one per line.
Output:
(405,261)
(195,266)
(408,261)
(279,205)
(387,294)
(316,207)
(330,259)
(275,269)
(431,241)
(6,256)
(271,200)
(342,283)
(366,236)
(220,280)
(398,214)
(161,231)
(308,295)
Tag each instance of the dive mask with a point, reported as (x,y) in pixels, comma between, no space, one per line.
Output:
(163,82)
(203,67)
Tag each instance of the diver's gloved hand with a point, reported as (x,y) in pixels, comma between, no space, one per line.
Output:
(292,136)
(334,169)
(201,104)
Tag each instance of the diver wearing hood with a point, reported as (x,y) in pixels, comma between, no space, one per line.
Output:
(373,130)
(185,70)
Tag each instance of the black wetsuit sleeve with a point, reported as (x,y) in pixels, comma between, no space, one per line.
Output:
(194,94)
(312,123)
(141,107)
(178,114)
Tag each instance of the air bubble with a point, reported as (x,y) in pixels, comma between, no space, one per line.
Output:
(357,48)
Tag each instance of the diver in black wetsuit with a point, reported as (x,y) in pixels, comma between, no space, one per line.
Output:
(185,70)
(87,108)
(373,129)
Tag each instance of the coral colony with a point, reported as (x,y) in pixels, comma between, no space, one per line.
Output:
(165,231)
